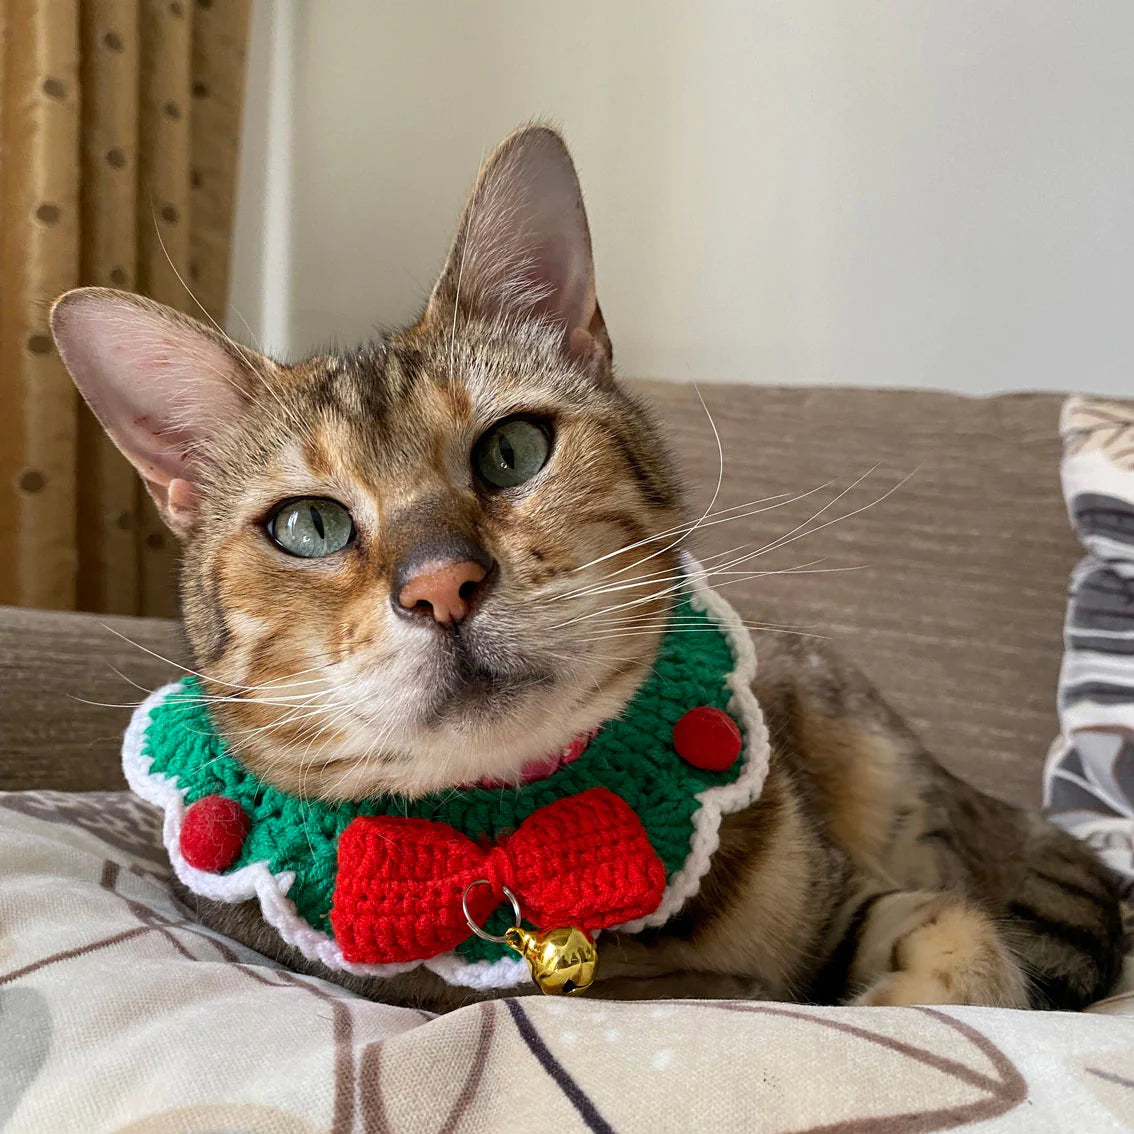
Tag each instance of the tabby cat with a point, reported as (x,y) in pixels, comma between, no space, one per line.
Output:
(393,522)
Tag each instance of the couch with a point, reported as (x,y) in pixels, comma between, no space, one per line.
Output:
(949,591)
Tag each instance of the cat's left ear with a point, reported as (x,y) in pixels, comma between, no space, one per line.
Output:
(523,247)
(163,386)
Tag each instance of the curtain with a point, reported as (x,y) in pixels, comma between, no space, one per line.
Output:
(119,124)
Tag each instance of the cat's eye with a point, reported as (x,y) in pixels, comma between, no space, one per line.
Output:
(311,527)
(512,452)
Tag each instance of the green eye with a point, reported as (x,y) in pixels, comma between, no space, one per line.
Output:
(512,452)
(311,527)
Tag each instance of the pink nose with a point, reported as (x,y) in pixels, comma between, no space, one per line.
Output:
(445,592)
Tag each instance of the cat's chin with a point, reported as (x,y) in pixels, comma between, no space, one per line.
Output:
(476,695)
(468,710)
(477,681)
(492,729)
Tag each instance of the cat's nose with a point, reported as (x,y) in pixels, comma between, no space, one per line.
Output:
(443,590)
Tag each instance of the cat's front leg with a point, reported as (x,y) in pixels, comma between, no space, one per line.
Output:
(933,947)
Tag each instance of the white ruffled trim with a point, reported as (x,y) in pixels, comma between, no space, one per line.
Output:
(717,802)
(257,881)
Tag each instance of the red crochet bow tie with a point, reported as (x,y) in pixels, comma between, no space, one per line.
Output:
(584,861)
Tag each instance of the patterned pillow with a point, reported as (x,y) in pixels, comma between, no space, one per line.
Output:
(1089,776)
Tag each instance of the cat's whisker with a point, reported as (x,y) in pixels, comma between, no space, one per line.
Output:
(187,670)
(798,532)
(130,681)
(712,502)
(611,635)
(296,701)
(339,710)
(661,621)
(597,584)
(783,540)
(281,720)
(722,516)
(729,518)
(716,491)
(274,685)
(104,704)
(271,699)
(331,705)
(667,532)
(725,570)
(674,575)
(299,701)
(304,711)
(604,584)
(273,691)
(668,590)
(251,360)
(704,630)
(669,619)
(634,621)
(256,343)
(162,657)
(745,577)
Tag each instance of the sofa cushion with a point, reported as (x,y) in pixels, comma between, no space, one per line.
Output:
(1089,778)
(955,612)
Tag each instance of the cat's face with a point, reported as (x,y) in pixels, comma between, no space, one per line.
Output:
(426,563)
(364,687)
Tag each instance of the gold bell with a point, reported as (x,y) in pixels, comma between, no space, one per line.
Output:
(562,961)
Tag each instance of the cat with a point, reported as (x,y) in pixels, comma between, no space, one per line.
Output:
(386,528)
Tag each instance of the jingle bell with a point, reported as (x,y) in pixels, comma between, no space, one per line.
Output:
(562,961)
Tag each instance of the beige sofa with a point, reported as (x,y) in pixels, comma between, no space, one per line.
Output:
(954,605)
(949,591)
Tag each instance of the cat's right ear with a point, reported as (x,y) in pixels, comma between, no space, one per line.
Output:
(523,248)
(160,383)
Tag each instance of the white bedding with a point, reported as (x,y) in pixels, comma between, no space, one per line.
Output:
(117,1012)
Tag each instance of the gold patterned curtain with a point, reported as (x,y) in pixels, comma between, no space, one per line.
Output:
(119,124)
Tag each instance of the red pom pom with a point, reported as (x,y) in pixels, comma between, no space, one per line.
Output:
(707,738)
(213,832)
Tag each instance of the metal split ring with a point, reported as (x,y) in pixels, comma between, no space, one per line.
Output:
(482,934)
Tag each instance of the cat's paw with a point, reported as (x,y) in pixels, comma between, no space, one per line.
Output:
(951,954)
(902,989)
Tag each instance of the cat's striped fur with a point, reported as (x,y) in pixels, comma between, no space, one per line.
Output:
(865,871)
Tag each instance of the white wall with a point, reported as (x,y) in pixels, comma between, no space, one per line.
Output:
(899,193)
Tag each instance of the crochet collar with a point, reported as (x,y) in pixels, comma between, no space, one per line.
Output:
(620,836)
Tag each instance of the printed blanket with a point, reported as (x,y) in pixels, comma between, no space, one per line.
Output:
(118,1012)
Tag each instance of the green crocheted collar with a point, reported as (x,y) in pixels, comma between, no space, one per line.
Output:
(174,757)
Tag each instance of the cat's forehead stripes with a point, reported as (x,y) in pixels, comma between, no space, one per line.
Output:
(375,414)
(387,432)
